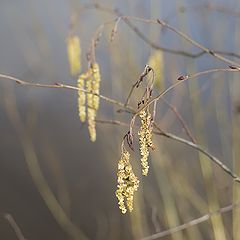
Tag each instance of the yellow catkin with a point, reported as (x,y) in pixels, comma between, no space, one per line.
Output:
(155,61)
(93,85)
(82,97)
(92,124)
(91,109)
(74,54)
(127,183)
(145,139)
(96,84)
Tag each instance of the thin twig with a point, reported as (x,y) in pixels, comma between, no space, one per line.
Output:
(184,141)
(181,120)
(195,43)
(191,223)
(61,85)
(202,150)
(183,79)
(141,35)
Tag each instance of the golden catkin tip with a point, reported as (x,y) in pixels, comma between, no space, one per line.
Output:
(156,62)
(127,183)
(92,124)
(74,54)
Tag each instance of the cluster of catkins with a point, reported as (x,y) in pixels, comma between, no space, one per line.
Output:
(127,181)
(88,104)
(91,81)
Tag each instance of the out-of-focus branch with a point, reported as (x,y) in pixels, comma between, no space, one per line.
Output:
(36,173)
(14,226)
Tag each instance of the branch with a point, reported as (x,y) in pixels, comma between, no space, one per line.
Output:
(61,85)
(195,43)
(194,222)
(182,79)
(181,120)
(202,150)
(141,35)
(14,226)
(184,141)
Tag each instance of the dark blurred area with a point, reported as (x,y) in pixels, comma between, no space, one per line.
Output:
(40,127)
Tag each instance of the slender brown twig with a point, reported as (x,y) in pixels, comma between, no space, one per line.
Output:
(180,119)
(141,35)
(200,149)
(173,108)
(181,80)
(184,141)
(191,223)
(61,85)
(195,43)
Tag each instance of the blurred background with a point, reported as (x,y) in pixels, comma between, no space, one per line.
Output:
(55,183)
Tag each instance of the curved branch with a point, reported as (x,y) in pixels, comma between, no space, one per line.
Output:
(141,35)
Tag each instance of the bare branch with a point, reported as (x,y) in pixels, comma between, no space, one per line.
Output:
(61,85)
(195,43)
(141,35)
(184,141)
(192,223)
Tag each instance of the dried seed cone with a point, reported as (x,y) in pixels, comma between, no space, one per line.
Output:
(145,139)
(74,54)
(127,183)
(82,97)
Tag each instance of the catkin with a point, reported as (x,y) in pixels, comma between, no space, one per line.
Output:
(156,62)
(145,139)
(93,86)
(74,54)
(91,111)
(96,84)
(127,183)
(82,97)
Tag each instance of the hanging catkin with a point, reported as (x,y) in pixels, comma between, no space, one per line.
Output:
(74,54)
(145,139)
(93,86)
(82,96)
(127,182)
